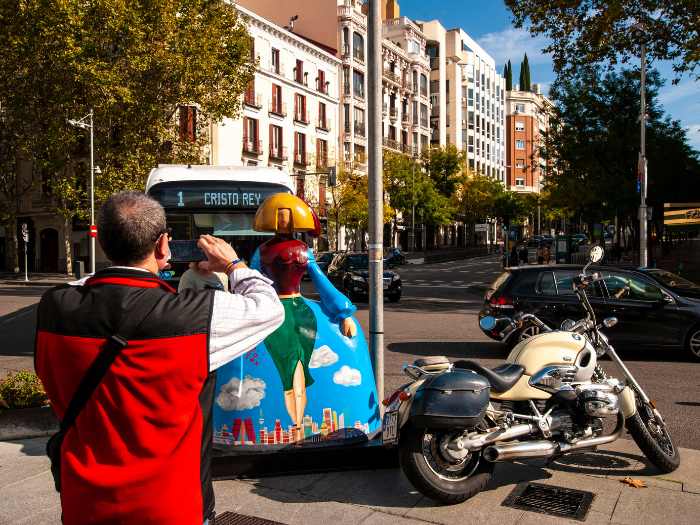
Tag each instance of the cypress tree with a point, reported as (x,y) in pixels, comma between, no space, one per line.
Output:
(509,76)
(522,77)
(526,67)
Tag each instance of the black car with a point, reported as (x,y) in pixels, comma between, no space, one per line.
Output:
(394,256)
(651,314)
(579,239)
(323,259)
(535,240)
(548,239)
(349,273)
(607,234)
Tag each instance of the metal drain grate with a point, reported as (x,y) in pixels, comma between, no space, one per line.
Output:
(555,501)
(233,518)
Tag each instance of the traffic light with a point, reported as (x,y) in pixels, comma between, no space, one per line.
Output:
(506,222)
(331,176)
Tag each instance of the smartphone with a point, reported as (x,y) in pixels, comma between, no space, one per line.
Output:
(186,251)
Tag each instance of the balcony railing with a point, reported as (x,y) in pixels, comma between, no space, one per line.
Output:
(252,146)
(385,107)
(390,75)
(424,91)
(358,54)
(323,123)
(414,88)
(360,129)
(359,92)
(301,115)
(278,152)
(322,87)
(392,144)
(42,204)
(276,68)
(424,122)
(253,99)
(407,149)
(346,126)
(394,112)
(415,120)
(346,89)
(278,108)
(345,51)
(301,79)
(300,157)
(404,117)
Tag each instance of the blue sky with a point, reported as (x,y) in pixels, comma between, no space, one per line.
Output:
(489,23)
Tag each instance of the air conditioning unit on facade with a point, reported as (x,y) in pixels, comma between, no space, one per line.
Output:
(464,122)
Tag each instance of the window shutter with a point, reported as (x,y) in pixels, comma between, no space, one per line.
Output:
(245,130)
(182,121)
(280,140)
(319,157)
(257,136)
(272,135)
(297,149)
(191,125)
(322,199)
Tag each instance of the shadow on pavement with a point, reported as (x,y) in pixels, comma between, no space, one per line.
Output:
(17,332)
(452,350)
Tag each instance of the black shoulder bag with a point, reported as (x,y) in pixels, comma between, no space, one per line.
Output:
(94,376)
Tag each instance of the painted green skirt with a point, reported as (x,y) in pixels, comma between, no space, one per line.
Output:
(293,341)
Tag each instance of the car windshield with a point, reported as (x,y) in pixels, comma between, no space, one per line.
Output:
(360,262)
(670,279)
(500,281)
(578,236)
(323,257)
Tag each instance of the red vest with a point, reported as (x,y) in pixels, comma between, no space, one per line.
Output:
(140,451)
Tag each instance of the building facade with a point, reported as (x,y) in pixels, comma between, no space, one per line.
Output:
(528,116)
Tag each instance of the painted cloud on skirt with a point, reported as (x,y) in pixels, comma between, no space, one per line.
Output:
(251,393)
(323,356)
(347,376)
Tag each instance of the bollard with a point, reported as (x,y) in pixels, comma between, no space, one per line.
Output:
(79,270)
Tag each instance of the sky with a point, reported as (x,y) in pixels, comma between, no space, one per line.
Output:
(489,23)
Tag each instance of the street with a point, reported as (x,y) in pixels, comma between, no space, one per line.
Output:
(437,315)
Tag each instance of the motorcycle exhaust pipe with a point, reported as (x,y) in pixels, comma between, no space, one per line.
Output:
(544,449)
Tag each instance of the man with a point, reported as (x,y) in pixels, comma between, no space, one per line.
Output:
(140,450)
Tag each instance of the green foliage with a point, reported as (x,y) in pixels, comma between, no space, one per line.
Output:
(446,167)
(22,390)
(508,74)
(475,199)
(525,75)
(584,34)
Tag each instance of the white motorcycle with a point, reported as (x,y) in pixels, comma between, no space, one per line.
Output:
(552,395)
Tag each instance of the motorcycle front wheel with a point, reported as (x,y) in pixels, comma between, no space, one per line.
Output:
(433,474)
(652,438)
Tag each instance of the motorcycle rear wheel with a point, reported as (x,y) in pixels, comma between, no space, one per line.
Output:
(435,476)
(653,440)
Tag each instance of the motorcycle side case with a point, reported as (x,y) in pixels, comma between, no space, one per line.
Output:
(456,399)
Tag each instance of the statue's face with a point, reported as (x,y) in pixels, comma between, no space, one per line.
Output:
(284,220)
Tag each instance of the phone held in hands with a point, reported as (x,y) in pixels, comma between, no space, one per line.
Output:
(186,251)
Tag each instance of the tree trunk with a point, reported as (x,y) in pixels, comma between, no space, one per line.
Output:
(66,240)
(14,242)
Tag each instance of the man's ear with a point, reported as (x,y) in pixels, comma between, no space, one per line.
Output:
(162,246)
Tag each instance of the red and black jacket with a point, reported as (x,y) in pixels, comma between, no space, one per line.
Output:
(140,451)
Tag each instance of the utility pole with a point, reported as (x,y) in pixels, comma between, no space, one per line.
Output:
(640,37)
(376,195)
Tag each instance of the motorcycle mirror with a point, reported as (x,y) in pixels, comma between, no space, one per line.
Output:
(596,254)
(610,321)
(487,323)
(567,325)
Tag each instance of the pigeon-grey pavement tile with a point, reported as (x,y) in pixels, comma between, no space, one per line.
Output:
(536,518)
(21,468)
(24,447)
(288,483)
(50,516)
(693,489)
(381,518)
(16,505)
(607,491)
(654,505)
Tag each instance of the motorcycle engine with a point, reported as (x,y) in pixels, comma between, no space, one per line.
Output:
(598,403)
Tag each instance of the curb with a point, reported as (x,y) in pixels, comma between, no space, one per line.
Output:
(27,423)
(33,283)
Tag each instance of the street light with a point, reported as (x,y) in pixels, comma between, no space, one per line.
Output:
(93,169)
(639,37)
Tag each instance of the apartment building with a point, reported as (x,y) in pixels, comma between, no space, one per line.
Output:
(467,97)
(527,118)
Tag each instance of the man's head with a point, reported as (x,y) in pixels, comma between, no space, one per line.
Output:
(129,226)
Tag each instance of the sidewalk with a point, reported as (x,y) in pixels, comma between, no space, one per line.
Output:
(385,497)
(35,278)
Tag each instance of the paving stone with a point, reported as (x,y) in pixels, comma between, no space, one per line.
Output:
(654,505)
(232,495)
(16,504)
(24,447)
(694,489)
(51,516)
(606,491)
(21,468)
(536,518)
(381,518)
(288,483)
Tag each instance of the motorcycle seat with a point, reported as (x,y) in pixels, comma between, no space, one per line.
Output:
(501,378)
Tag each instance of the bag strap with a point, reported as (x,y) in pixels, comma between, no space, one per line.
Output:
(106,357)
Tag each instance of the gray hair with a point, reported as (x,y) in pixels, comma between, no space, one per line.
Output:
(128,226)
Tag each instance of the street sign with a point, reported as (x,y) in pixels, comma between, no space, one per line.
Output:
(93,230)
(25,232)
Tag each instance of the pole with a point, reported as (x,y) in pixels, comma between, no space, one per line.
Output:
(413,212)
(92,198)
(26,275)
(376,196)
(643,260)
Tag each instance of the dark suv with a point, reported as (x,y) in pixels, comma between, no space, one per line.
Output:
(650,313)
(349,273)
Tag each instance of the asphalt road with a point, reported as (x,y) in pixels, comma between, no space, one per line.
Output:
(437,315)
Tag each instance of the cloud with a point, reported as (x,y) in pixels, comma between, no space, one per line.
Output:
(686,88)
(252,391)
(323,356)
(347,376)
(511,44)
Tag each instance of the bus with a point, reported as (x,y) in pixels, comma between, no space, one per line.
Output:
(215,200)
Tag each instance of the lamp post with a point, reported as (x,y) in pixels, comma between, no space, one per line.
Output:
(93,169)
(639,37)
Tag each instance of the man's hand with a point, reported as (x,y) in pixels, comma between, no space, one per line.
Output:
(218,252)
(348,327)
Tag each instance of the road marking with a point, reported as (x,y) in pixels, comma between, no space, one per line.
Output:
(438,281)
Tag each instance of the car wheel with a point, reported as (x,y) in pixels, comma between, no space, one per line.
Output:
(349,294)
(526,332)
(692,343)
(394,297)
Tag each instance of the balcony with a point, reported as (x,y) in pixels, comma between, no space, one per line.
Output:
(301,79)
(278,152)
(277,68)
(391,76)
(278,108)
(404,117)
(253,99)
(394,113)
(419,57)
(359,92)
(414,88)
(346,89)
(301,115)
(345,51)
(42,204)
(359,129)
(358,54)
(407,149)
(385,107)
(346,127)
(300,157)
(252,146)
(323,123)
(424,122)
(391,144)
(323,87)
(424,91)
(415,120)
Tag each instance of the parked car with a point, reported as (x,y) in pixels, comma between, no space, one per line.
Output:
(394,256)
(323,259)
(535,240)
(652,313)
(349,273)
(549,239)
(579,239)
(607,234)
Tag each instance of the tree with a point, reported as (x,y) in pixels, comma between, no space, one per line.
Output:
(508,75)
(156,73)
(525,75)
(399,185)
(446,167)
(585,34)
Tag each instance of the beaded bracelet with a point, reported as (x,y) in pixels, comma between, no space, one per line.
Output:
(232,263)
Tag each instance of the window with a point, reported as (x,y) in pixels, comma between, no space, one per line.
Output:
(432,51)
(520,108)
(464,113)
(470,100)
(488,83)
(464,91)
(300,108)
(299,76)
(321,82)
(447,86)
(435,99)
(322,116)
(464,135)
(346,41)
(415,47)
(519,144)
(321,153)
(250,135)
(519,181)
(358,47)
(415,80)
(424,85)
(424,115)
(358,80)
(477,98)
(631,289)
(477,79)
(519,125)
(482,82)
(277,99)
(276,147)
(299,147)
(188,123)
(561,283)
(275,61)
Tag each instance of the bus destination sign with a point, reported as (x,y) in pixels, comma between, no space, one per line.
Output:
(213,197)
